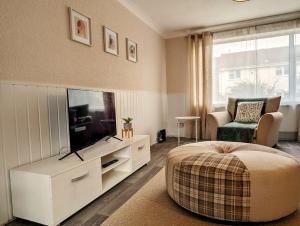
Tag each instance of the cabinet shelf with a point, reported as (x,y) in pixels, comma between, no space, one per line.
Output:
(112,178)
(114,165)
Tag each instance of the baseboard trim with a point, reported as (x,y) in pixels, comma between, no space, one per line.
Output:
(9,221)
(288,136)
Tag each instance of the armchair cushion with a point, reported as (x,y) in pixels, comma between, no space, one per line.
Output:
(249,112)
(235,131)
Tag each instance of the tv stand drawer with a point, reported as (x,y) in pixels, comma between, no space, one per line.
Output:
(75,189)
(141,153)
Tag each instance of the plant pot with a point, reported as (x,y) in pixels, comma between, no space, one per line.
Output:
(127,125)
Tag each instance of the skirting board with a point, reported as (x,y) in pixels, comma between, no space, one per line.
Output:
(288,136)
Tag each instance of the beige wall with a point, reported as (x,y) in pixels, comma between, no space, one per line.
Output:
(176,55)
(35,49)
(176,61)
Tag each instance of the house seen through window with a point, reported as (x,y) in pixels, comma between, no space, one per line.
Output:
(257,67)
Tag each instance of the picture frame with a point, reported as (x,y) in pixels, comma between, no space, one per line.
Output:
(111,41)
(80,27)
(131,50)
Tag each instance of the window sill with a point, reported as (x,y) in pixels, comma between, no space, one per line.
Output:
(284,104)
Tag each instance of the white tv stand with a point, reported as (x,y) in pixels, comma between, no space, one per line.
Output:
(49,191)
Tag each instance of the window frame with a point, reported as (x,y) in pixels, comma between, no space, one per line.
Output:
(292,98)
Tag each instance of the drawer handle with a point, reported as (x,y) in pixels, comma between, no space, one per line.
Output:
(74,179)
(141,147)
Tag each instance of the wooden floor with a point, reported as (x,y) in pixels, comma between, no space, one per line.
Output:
(100,209)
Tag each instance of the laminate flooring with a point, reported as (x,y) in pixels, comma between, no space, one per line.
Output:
(101,208)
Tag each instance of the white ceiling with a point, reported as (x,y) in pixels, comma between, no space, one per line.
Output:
(169,17)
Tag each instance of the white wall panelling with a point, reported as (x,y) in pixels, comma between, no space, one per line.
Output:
(33,122)
(33,127)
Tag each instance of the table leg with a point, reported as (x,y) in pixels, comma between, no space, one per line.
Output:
(178,133)
(196,125)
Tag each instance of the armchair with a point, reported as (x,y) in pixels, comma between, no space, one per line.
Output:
(265,132)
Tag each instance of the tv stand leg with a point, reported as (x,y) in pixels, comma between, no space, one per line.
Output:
(66,156)
(71,154)
(113,137)
(78,156)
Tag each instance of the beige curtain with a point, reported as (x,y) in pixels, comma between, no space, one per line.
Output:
(199,90)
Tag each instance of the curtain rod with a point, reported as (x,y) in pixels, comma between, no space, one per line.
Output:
(248,23)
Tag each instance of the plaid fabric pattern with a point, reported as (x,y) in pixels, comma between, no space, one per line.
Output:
(214,185)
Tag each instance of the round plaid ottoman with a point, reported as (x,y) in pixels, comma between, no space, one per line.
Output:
(233,181)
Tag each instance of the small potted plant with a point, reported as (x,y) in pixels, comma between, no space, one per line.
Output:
(127,123)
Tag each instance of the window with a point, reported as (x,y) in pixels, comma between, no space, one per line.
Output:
(238,74)
(260,66)
(282,70)
(279,71)
(231,75)
(234,75)
(286,70)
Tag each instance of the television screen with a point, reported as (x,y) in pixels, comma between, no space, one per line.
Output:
(91,117)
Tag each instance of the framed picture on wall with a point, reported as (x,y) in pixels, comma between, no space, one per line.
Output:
(80,27)
(131,47)
(111,42)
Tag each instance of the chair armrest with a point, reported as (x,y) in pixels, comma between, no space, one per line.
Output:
(215,120)
(268,129)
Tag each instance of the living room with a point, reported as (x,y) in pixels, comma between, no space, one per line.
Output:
(102,102)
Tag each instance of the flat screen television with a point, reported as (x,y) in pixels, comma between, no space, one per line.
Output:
(92,117)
